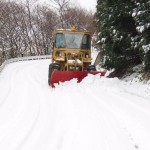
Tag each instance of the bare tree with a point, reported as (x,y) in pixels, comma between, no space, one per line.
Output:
(46,21)
(79,17)
(9,28)
(61,7)
(26,28)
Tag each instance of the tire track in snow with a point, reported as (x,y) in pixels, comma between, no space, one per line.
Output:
(110,125)
(27,75)
(126,111)
(16,121)
(32,77)
(110,112)
(7,102)
(7,86)
(31,81)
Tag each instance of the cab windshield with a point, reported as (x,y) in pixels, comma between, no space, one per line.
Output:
(72,40)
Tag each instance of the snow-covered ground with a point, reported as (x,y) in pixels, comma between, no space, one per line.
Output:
(96,114)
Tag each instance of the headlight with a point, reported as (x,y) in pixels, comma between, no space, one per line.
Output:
(58,53)
(86,55)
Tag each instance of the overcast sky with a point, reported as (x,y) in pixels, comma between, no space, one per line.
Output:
(88,4)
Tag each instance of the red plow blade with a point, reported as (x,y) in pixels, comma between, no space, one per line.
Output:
(62,76)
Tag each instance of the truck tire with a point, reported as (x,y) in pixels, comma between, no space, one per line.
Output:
(52,67)
(91,68)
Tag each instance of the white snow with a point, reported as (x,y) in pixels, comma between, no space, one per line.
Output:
(94,55)
(70,61)
(99,113)
(140,29)
(114,31)
(103,40)
(133,14)
(146,48)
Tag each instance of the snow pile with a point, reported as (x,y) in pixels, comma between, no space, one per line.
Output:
(133,86)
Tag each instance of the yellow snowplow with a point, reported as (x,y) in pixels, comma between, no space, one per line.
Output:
(71,56)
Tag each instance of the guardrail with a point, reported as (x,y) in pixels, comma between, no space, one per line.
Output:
(23,59)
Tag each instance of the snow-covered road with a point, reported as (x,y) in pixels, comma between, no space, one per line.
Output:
(97,114)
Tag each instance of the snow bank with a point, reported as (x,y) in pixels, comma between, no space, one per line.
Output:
(109,84)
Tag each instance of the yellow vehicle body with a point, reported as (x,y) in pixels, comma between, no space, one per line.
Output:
(71,56)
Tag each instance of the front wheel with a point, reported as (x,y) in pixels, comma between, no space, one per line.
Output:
(91,68)
(52,67)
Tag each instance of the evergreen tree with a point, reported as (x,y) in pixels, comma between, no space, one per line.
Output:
(142,17)
(117,34)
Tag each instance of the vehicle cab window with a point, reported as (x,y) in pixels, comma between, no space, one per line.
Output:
(86,44)
(60,40)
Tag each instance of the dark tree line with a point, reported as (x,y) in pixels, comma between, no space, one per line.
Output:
(124,33)
(26,28)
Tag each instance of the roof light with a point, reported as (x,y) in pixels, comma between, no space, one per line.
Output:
(74,27)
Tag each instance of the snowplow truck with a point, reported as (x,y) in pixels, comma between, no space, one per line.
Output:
(71,56)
